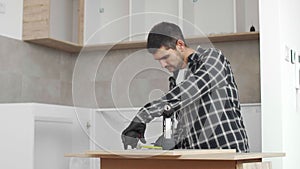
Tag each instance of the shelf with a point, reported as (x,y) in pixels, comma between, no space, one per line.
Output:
(57,44)
(75,48)
(226,37)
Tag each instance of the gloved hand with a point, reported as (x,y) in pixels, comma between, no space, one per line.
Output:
(133,133)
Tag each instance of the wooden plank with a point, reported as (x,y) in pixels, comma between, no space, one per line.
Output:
(36,25)
(35,19)
(33,2)
(191,40)
(41,34)
(256,165)
(78,155)
(36,34)
(224,38)
(232,156)
(116,46)
(81,8)
(186,154)
(57,44)
(161,152)
(31,11)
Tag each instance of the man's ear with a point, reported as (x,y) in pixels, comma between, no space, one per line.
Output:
(180,45)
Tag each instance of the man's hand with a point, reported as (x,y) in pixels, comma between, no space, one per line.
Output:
(133,133)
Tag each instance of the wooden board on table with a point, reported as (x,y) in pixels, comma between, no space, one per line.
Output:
(155,153)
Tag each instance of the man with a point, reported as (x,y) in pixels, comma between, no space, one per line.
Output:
(206,101)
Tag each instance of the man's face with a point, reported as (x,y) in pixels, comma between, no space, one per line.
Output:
(170,59)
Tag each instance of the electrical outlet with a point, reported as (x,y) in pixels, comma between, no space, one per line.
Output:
(2,7)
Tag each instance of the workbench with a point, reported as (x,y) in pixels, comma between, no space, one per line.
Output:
(179,159)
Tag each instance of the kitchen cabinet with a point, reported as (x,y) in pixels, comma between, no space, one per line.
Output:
(35,136)
(106,21)
(208,17)
(125,20)
(72,25)
(40,134)
(53,23)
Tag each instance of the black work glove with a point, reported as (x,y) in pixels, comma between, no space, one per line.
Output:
(133,133)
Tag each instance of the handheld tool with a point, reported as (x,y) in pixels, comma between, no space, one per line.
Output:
(166,140)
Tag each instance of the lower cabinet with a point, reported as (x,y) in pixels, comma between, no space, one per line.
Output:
(37,136)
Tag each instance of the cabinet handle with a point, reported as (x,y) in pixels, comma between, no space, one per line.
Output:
(88,125)
(101,10)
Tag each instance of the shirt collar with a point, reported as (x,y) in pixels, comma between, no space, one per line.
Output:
(196,55)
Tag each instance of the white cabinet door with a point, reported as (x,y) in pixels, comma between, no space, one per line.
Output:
(106,21)
(208,16)
(251,114)
(59,130)
(53,139)
(146,13)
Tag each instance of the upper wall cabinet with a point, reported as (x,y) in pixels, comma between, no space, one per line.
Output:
(125,20)
(106,21)
(54,22)
(146,13)
(71,24)
(130,20)
(208,17)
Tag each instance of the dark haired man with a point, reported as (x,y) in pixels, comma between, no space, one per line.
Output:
(206,102)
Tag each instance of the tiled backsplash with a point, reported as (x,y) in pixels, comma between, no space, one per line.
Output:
(123,78)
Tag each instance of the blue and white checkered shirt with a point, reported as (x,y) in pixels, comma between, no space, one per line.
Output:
(206,103)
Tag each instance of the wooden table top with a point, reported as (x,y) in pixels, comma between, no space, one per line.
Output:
(178,154)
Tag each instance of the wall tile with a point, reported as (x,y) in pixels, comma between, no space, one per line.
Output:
(109,64)
(103,94)
(10,87)
(67,63)
(41,62)
(142,91)
(36,89)
(66,97)
(33,73)
(244,59)
(11,55)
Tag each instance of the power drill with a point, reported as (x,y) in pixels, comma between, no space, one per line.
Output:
(166,140)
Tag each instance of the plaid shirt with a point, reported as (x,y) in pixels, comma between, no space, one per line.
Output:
(206,105)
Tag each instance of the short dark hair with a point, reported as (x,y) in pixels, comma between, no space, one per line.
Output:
(164,34)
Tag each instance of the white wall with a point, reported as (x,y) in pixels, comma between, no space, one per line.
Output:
(290,36)
(11,20)
(280,122)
